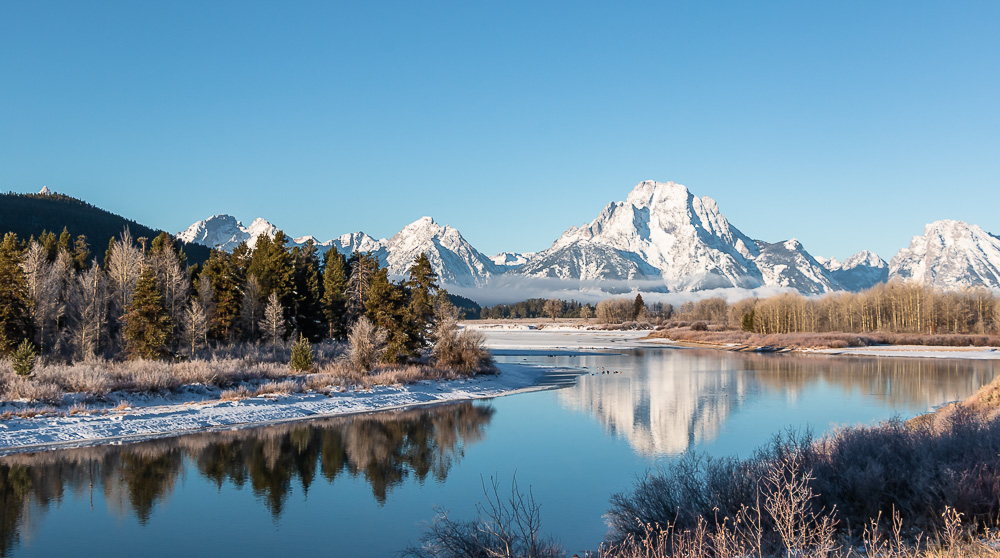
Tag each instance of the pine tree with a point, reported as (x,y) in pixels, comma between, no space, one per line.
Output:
(225,296)
(167,261)
(147,325)
(271,264)
(334,289)
(15,325)
(638,307)
(364,266)
(81,253)
(307,295)
(302,355)
(387,307)
(423,288)
(23,359)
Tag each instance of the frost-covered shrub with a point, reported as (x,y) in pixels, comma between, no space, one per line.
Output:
(464,351)
(367,343)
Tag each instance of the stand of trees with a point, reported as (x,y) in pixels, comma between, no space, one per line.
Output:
(894,307)
(538,308)
(145,301)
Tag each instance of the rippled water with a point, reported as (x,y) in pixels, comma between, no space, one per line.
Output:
(362,486)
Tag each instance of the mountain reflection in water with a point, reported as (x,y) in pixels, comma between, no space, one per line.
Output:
(384,448)
(666,401)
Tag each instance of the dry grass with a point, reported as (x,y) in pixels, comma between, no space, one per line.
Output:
(250,366)
(912,473)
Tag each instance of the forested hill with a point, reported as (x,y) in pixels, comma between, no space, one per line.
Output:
(30,214)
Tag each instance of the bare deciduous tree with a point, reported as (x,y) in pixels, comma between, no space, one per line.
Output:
(273,324)
(553,308)
(124,265)
(173,282)
(87,312)
(251,308)
(194,326)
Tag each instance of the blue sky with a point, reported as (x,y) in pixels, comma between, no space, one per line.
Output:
(848,125)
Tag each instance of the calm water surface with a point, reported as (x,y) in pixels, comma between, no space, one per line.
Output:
(363,486)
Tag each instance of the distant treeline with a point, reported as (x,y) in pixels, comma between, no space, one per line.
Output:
(894,307)
(536,308)
(28,215)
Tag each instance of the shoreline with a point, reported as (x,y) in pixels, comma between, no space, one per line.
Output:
(165,419)
(135,424)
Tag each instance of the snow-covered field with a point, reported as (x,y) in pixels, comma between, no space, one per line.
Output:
(174,418)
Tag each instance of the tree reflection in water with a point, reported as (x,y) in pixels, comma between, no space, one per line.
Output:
(385,448)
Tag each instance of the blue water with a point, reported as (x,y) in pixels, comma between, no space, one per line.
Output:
(365,486)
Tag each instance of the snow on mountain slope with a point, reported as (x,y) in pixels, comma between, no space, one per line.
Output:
(452,257)
(218,231)
(787,264)
(861,271)
(950,255)
(588,262)
(684,237)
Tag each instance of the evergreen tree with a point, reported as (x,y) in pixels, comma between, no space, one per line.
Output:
(225,296)
(147,325)
(23,359)
(364,266)
(50,242)
(423,288)
(638,307)
(81,253)
(387,307)
(64,241)
(307,295)
(302,355)
(167,261)
(15,324)
(271,264)
(334,293)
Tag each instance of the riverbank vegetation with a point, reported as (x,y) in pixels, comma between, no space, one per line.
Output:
(145,321)
(929,487)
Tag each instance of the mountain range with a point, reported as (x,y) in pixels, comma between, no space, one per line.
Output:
(661,238)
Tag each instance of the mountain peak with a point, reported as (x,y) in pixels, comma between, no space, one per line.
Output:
(649,193)
(45,191)
(950,255)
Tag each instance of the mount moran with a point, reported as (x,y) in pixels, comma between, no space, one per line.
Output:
(662,238)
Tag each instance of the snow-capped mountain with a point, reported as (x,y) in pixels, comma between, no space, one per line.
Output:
(455,261)
(663,231)
(452,257)
(787,264)
(950,255)
(218,231)
(661,227)
(661,238)
(861,271)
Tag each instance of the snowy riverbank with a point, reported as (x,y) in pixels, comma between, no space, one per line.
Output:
(162,419)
